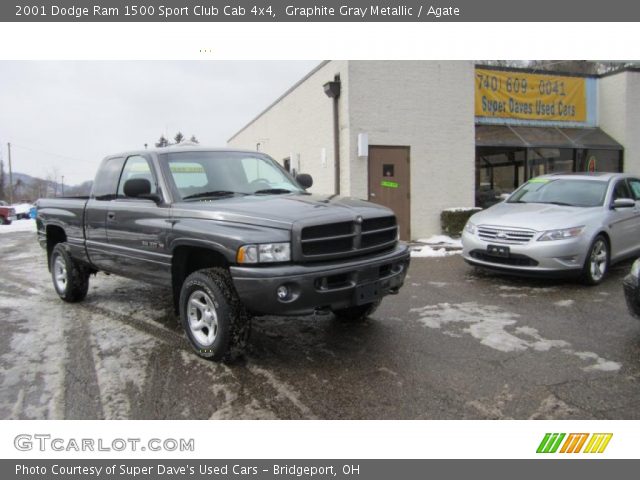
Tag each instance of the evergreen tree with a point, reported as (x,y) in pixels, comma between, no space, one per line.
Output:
(179,137)
(193,139)
(162,142)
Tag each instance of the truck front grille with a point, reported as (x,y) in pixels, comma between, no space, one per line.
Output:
(349,238)
(505,235)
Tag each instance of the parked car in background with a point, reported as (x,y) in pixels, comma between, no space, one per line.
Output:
(561,224)
(7,214)
(632,289)
(22,210)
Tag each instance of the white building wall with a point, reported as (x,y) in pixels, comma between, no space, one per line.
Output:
(619,114)
(300,125)
(428,106)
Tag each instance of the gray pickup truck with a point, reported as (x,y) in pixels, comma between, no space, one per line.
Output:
(231,232)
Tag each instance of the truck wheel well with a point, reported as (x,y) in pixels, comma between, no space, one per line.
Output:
(186,260)
(55,235)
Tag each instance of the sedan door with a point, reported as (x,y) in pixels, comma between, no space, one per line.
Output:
(623,222)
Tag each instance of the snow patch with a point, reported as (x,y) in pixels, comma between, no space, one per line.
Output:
(19,226)
(498,329)
(444,240)
(564,303)
(462,209)
(428,252)
(34,365)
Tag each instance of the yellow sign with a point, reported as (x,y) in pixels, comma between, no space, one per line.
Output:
(529,96)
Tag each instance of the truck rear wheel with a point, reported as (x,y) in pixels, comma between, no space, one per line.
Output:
(70,278)
(358,313)
(214,319)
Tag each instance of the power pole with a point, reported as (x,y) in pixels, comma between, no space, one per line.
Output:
(10,176)
(62,185)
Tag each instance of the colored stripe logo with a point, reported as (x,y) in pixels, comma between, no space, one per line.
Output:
(574,443)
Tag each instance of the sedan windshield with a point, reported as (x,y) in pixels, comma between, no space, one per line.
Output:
(561,191)
(208,175)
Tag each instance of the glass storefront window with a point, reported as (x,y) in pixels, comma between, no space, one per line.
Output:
(594,160)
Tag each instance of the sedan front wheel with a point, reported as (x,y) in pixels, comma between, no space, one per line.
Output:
(596,264)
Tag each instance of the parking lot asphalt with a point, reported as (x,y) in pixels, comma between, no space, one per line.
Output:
(454,344)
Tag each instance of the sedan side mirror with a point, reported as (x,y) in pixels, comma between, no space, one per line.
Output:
(305,180)
(139,188)
(624,203)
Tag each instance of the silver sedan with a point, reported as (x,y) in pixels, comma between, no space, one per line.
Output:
(559,225)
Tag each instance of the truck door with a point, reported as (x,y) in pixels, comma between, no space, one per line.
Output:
(104,191)
(137,228)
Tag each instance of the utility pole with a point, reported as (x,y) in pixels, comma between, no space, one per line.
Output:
(10,176)
(62,185)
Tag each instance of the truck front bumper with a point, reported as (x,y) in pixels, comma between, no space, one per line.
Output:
(321,286)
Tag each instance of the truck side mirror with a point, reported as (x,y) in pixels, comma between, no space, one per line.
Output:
(139,188)
(305,180)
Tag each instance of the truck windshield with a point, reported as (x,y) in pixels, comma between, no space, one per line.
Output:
(206,175)
(569,192)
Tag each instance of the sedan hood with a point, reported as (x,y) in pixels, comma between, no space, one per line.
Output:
(534,216)
(280,211)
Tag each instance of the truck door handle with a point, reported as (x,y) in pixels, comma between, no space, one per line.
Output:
(111,216)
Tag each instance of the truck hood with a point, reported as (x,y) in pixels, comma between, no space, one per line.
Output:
(280,211)
(535,216)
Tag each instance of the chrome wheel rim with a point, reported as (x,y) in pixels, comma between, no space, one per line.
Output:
(203,318)
(598,260)
(60,274)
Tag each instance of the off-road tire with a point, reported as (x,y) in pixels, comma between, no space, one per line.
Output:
(358,313)
(588,276)
(76,284)
(232,319)
(5,221)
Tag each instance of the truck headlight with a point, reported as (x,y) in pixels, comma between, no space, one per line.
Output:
(470,228)
(264,253)
(561,234)
(635,269)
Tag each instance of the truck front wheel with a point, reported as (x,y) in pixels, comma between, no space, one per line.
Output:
(214,319)
(357,313)
(70,278)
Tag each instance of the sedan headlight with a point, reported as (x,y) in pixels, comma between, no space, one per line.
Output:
(264,253)
(635,269)
(562,234)
(470,228)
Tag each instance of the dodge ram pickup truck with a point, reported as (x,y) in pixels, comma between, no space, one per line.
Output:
(232,233)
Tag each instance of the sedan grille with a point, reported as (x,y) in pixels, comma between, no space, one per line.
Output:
(505,235)
(348,238)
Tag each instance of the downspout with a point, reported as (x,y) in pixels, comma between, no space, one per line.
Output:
(332,90)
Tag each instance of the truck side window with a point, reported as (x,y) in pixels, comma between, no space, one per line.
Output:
(136,167)
(106,183)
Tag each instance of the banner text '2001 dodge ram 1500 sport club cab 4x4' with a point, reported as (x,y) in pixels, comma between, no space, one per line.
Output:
(231,232)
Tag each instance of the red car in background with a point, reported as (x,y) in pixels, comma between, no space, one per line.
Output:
(7,214)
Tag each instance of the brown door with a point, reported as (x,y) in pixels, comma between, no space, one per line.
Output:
(389,183)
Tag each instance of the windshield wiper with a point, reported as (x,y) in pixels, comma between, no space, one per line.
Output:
(213,194)
(562,204)
(274,191)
